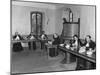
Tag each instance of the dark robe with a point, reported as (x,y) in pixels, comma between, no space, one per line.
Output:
(73,41)
(45,36)
(56,41)
(91,45)
(34,43)
(73,57)
(17,47)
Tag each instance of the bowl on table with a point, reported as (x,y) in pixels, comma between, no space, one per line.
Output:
(72,48)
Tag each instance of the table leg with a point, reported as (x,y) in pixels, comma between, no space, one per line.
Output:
(66,59)
(48,53)
(82,64)
(31,45)
(67,56)
(90,65)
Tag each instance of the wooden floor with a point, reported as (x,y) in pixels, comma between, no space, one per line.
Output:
(35,61)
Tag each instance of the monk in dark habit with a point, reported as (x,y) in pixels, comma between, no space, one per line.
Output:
(17,47)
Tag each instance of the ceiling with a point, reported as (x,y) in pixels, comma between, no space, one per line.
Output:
(34,4)
(43,5)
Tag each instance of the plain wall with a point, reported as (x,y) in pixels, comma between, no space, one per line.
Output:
(21,19)
(87,21)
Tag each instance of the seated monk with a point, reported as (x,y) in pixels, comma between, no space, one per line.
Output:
(31,36)
(17,47)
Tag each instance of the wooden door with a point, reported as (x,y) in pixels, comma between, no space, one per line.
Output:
(36,23)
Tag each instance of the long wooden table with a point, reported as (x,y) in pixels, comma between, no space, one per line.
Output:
(83,56)
(24,41)
(46,40)
(28,40)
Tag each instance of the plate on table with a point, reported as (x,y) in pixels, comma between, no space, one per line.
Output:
(72,48)
(61,45)
(82,50)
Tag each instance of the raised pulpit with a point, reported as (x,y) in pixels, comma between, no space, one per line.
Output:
(70,29)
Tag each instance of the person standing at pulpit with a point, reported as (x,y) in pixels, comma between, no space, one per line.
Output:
(17,47)
(31,36)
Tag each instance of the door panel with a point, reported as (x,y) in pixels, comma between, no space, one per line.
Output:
(33,26)
(36,23)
